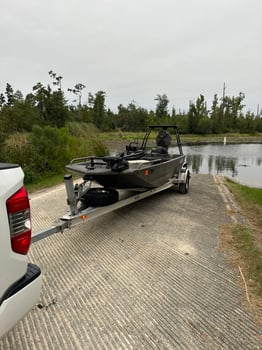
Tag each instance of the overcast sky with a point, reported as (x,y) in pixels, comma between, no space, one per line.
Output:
(135,49)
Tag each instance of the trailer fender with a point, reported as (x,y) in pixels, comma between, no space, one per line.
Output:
(184,181)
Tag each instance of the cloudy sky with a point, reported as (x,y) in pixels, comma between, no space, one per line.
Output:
(135,49)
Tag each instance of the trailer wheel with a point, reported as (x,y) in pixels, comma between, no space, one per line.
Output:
(184,187)
(100,196)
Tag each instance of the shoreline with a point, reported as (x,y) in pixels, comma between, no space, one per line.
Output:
(122,139)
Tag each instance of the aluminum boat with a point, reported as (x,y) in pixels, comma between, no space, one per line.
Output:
(139,167)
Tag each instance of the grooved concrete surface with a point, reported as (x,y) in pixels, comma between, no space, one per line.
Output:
(148,276)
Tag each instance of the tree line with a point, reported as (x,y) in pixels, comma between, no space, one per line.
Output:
(43,131)
(48,106)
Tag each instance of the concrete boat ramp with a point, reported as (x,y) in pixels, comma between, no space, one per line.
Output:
(152,275)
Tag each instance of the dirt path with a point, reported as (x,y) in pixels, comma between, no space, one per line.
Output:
(148,276)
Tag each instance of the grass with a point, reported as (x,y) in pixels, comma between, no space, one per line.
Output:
(230,138)
(121,136)
(185,138)
(246,195)
(251,256)
(45,183)
(247,239)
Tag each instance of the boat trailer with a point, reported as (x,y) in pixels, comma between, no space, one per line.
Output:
(78,214)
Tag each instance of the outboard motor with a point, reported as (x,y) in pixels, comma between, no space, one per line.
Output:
(163,141)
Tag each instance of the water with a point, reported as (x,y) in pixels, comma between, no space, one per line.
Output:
(242,163)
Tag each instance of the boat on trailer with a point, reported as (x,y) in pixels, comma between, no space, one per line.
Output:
(139,167)
(149,170)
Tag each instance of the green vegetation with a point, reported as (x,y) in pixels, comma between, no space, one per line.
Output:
(247,195)
(46,150)
(251,256)
(187,139)
(47,105)
(49,181)
(42,131)
(247,240)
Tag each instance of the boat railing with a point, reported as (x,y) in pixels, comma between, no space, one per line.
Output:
(89,161)
(80,160)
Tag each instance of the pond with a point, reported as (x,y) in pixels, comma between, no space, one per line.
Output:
(241,163)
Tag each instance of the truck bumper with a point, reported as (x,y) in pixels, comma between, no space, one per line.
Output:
(19,299)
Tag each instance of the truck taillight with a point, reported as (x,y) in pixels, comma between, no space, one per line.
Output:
(18,209)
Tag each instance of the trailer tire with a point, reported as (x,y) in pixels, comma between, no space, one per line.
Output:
(184,187)
(100,196)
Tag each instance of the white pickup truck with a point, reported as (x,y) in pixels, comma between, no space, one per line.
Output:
(20,281)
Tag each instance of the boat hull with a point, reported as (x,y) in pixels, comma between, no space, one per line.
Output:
(139,175)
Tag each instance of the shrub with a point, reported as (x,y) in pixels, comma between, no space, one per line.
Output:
(82,129)
(50,146)
(47,150)
(17,149)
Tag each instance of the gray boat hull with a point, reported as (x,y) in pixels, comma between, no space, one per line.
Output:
(141,174)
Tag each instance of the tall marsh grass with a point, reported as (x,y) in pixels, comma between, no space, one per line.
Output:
(46,150)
